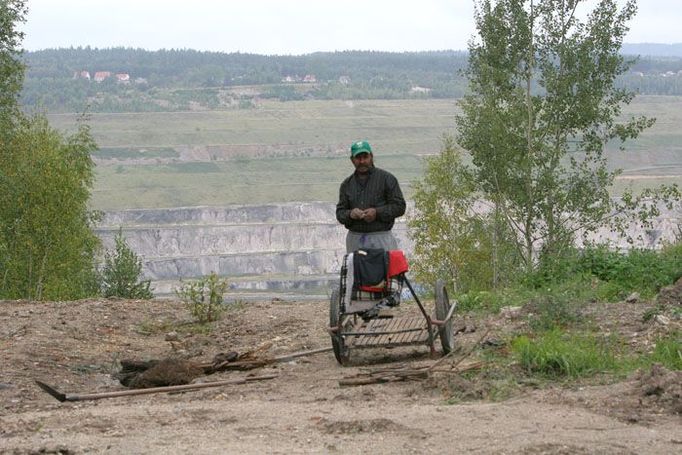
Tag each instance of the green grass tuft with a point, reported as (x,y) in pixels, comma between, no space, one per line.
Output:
(668,351)
(556,354)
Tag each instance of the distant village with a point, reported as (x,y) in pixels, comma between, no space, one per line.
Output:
(666,74)
(101,76)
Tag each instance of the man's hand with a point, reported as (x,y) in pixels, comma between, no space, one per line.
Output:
(357,214)
(370,215)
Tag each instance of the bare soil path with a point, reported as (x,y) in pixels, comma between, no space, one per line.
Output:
(76,346)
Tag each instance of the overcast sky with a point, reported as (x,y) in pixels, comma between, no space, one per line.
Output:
(286,26)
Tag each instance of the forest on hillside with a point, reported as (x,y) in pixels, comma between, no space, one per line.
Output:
(63,80)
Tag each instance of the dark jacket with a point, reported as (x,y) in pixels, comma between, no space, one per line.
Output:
(380,191)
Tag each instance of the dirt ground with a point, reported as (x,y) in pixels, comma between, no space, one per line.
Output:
(77,346)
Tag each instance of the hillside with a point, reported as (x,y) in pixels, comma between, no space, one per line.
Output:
(136,80)
(653,49)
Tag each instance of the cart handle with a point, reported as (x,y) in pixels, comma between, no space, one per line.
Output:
(447,317)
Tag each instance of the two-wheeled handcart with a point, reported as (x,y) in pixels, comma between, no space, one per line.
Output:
(371,284)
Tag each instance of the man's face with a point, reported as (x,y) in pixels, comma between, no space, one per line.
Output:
(362,162)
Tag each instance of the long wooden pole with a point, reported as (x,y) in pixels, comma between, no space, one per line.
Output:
(123,393)
(259,362)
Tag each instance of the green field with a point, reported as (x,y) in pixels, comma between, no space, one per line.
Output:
(142,167)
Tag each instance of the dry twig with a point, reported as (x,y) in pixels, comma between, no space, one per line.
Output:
(404,373)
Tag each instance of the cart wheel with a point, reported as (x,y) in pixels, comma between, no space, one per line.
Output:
(442,308)
(341,352)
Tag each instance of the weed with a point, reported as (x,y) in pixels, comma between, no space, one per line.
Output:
(557,354)
(668,351)
(492,301)
(553,311)
(204,297)
(153,327)
(645,271)
(652,312)
(196,328)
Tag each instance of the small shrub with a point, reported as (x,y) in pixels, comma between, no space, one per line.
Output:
(552,311)
(204,297)
(552,269)
(612,274)
(556,354)
(645,271)
(122,271)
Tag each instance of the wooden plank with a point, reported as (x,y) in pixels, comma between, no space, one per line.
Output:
(410,330)
(401,337)
(416,336)
(385,326)
(407,335)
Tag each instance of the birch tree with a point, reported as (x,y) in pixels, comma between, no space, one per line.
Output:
(542,108)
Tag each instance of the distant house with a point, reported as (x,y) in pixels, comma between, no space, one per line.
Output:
(309,78)
(418,89)
(102,75)
(345,80)
(81,75)
(123,78)
(140,80)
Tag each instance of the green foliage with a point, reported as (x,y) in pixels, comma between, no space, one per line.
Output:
(12,12)
(204,297)
(643,270)
(543,106)
(611,274)
(557,354)
(121,273)
(45,183)
(668,351)
(46,241)
(551,311)
(492,301)
(452,240)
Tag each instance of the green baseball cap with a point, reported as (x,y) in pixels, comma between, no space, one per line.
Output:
(360,147)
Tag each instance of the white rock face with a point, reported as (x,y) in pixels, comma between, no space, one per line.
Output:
(295,242)
(287,247)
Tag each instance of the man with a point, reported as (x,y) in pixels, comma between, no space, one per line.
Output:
(369,201)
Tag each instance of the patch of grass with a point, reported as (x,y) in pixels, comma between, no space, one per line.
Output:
(645,271)
(668,351)
(243,181)
(124,153)
(556,354)
(196,328)
(410,128)
(154,327)
(556,306)
(601,274)
(195,167)
(497,381)
(554,311)
(492,301)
